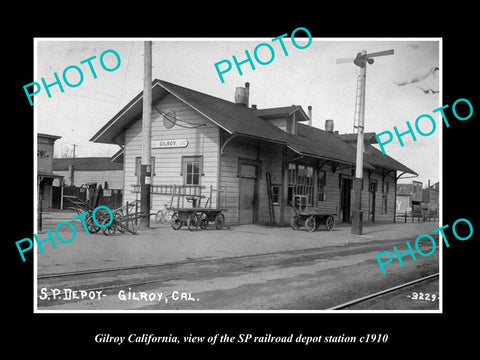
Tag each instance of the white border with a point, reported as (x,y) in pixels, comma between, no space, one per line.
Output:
(339,312)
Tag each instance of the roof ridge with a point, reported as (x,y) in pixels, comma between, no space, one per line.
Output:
(235,119)
(192,90)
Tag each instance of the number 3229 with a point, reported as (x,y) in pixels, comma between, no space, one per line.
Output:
(422,296)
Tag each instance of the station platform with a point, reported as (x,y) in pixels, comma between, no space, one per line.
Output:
(161,244)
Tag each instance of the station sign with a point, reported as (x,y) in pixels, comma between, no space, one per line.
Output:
(168,144)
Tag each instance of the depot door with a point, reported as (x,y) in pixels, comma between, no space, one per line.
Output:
(247,194)
(345,198)
(372,192)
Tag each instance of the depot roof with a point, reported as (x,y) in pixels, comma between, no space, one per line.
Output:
(243,121)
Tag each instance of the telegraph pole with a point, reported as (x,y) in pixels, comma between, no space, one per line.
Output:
(145,168)
(361,61)
(357,212)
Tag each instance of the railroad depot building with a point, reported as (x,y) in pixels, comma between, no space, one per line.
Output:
(201,141)
(45,175)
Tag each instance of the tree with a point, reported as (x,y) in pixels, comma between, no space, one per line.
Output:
(64,151)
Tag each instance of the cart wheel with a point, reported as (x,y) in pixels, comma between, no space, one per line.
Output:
(118,222)
(159,217)
(176,223)
(109,230)
(192,221)
(310,224)
(167,216)
(91,226)
(295,222)
(330,223)
(219,221)
(203,221)
(204,224)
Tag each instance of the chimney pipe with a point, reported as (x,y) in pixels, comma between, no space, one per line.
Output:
(247,92)
(309,115)
(240,96)
(329,125)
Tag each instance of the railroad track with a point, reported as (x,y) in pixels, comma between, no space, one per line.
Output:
(109,279)
(236,263)
(310,252)
(382,292)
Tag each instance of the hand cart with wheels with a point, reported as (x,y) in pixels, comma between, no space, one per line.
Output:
(125,219)
(312,218)
(197,216)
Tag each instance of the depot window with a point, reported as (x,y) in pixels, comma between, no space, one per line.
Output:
(300,182)
(275,194)
(192,169)
(321,182)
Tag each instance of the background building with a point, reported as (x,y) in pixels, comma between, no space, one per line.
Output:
(409,197)
(45,175)
(79,171)
(430,199)
(81,175)
(414,201)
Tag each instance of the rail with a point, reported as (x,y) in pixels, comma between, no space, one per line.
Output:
(382,292)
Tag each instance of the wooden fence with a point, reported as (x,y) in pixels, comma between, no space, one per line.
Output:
(411,216)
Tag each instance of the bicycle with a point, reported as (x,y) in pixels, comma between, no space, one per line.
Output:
(164,215)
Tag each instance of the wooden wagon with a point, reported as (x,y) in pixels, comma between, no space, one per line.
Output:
(312,218)
(125,219)
(196,216)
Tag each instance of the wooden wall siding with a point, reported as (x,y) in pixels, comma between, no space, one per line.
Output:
(269,158)
(235,149)
(381,217)
(45,163)
(204,141)
(46,188)
(201,141)
(113,177)
(332,189)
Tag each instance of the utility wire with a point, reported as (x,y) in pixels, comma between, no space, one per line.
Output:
(175,120)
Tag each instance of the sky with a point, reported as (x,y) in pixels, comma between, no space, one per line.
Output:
(308,76)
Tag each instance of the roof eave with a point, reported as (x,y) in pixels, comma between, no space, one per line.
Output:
(100,136)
